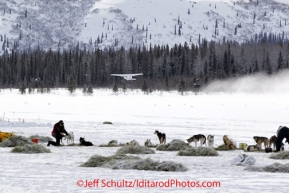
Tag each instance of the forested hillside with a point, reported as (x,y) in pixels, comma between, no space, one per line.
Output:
(163,67)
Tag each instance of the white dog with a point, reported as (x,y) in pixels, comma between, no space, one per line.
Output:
(69,138)
(148,143)
(134,143)
(210,139)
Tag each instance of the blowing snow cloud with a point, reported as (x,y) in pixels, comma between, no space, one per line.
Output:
(259,83)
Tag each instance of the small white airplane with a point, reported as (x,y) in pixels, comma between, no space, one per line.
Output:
(128,76)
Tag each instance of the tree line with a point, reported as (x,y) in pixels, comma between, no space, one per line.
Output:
(187,66)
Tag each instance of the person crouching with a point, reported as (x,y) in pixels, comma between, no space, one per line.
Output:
(58,133)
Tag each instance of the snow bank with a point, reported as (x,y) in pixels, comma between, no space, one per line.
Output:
(198,151)
(280,155)
(175,145)
(135,150)
(125,162)
(30,148)
(15,141)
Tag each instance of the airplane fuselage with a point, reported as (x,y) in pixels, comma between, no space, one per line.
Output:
(127,76)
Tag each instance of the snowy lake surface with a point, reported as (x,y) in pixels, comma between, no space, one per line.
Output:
(135,116)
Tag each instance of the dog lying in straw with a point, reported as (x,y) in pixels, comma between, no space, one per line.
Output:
(85,143)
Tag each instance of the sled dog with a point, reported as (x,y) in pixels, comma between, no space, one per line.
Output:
(260,140)
(228,142)
(268,149)
(113,143)
(161,136)
(85,143)
(69,138)
(134,143)
(272,141)
(148,143)
(210,139)
(253,148)
(196,138)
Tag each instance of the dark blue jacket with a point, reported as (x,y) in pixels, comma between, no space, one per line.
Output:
(283,133)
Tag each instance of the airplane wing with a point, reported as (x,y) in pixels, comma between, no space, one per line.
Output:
(127,76)
(123,75)
(139,74)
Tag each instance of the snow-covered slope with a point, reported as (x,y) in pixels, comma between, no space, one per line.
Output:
(102,23)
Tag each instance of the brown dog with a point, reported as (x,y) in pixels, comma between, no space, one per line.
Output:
(272,141)
(260,140)
(228,142)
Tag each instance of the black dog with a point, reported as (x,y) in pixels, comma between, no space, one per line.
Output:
(85,143)
(268,149)
(161,136)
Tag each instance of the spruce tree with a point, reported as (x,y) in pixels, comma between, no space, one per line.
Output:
(167,83)
(280,62)
(115,87)
(48,89)
(124,88)
(256,68)
(84,90)
(71,86)
(89,90)
(226,63)
(182,86)
(144,87)
(268,65)
(42,88)
(30,89)
(22,88)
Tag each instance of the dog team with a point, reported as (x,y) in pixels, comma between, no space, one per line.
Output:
(275,140)
(59,132)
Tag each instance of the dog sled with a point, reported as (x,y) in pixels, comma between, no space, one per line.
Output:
(5,135)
